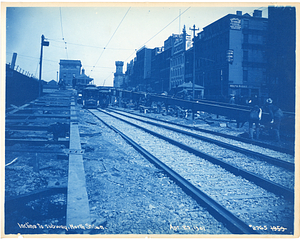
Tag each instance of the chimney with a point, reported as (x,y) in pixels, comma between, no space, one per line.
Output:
(83,71)
(13,61)
(239,13)
(257,13)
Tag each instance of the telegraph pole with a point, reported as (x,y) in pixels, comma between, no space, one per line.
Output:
(43,43)
(194,29)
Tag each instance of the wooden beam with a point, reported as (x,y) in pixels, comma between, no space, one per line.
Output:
(78,211)
(35,142)
(38,116)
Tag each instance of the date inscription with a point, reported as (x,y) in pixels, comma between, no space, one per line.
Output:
(265,228)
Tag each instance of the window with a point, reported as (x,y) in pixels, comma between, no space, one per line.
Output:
(265,25)
(245,76)
(246,38)
(246,23)
(245,55)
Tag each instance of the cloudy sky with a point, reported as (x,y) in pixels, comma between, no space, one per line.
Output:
(100,35)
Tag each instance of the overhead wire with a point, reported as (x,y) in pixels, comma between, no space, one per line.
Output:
(111,37)
(62,33)
(84,45)
(160,31)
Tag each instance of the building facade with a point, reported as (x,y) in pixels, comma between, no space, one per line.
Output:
(141,72)
(160,69)
(69,69)
(119,75)
(82,80)
(231,56)
(178,43)
(281,53)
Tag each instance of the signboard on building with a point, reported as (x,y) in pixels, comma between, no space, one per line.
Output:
(229,56)
(188,44)
(238,86)
(235,24)
(178,45)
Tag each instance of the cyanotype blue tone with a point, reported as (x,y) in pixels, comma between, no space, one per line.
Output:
(150,120)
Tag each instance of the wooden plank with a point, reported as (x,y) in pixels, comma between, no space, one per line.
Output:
(78,211)
(38,150)
(17,109)
(27,127)
(47,108)
(42,121)
(35,142)
(38,115)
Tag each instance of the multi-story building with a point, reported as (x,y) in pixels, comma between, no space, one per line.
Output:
(68,70)
(178,43)
(230,56)
(141,69)
(119,75)
(282,56)
(160,69)
(128,74)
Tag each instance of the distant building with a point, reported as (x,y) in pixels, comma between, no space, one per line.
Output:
(141,78)
(178,43)
(230,56)
(282,56)
(160,69)
(82,80)
(68,69)
(128,75)
(119,75)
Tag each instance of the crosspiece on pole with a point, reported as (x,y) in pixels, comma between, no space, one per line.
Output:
(194,29)
(43,43)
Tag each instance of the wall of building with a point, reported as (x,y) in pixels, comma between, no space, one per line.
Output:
(68,70)
(236,69)
(281,56)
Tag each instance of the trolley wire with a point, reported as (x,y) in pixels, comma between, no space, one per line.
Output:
(62,33)
(160,31)
(111,37)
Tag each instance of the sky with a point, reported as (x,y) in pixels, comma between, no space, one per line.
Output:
(98,36)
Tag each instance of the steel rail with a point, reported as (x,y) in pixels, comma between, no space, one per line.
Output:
(245,140)
(231,222)
(278,162)
(261,182)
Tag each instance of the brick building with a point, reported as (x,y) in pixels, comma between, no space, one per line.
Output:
(281,54)
(230,56)
(69,69)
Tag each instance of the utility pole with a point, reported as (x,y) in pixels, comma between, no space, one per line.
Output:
(194,29)
(43,43)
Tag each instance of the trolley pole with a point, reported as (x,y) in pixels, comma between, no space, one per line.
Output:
(194,29)
(43,43)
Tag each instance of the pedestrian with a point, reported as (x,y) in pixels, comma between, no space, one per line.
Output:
(254,121)
(276,115)
(232,100)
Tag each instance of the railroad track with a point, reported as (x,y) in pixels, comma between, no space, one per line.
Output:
(255,162)
(244,140)
(230,193)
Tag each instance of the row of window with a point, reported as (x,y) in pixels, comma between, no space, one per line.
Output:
(177,71)
(178,60)
(175,83)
